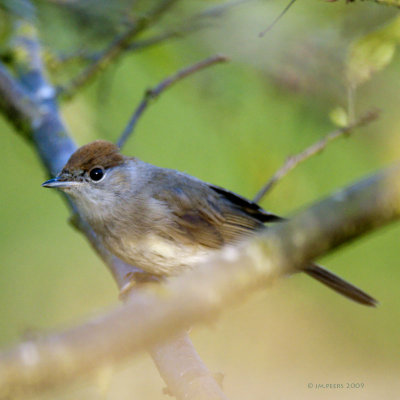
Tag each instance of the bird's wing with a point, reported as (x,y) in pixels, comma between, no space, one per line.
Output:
(211,216)
(248,206)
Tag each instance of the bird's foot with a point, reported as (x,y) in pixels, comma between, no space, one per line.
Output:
(134,280)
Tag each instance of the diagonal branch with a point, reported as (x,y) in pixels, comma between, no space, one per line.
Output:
(153,93)
(276,20)
(158,312)
(314,149)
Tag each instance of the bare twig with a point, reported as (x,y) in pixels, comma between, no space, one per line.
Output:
(153,93)
(114,50)
(275,21)
(157,312)
(292,161)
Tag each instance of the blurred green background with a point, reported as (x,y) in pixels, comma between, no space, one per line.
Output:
(232,125)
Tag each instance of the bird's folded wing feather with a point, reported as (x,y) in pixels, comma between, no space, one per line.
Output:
(211,216)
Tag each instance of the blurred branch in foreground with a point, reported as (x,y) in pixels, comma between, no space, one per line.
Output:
(157,312)
(293,161)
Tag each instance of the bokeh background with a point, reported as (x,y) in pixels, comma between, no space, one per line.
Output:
(233,125)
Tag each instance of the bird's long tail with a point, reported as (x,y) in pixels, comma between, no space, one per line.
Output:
(340,285)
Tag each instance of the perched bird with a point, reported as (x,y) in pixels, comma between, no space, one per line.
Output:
(161,220)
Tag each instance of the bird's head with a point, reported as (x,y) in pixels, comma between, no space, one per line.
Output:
(95,175)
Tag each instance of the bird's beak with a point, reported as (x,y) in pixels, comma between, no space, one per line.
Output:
(58,183)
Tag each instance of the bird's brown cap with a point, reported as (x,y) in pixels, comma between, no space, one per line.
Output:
(98,153)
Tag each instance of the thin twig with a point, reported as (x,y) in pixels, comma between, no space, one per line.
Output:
(153,93)
(275,21)
(114,50)
(292,161)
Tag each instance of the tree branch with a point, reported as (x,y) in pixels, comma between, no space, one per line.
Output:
(202,382)
(153,93)
(293,161)
(160,311)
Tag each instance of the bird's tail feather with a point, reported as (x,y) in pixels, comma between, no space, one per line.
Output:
(340,285)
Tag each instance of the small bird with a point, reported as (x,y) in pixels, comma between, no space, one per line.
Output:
(162,220)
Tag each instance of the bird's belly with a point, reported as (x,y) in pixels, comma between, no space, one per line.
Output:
(157,255)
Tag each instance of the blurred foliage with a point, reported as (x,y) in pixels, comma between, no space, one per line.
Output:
(232,125)
(373,52)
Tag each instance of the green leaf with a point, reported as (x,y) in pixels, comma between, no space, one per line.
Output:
(339,117)
(372,53)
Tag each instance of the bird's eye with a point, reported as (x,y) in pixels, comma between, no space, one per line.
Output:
(96,174)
